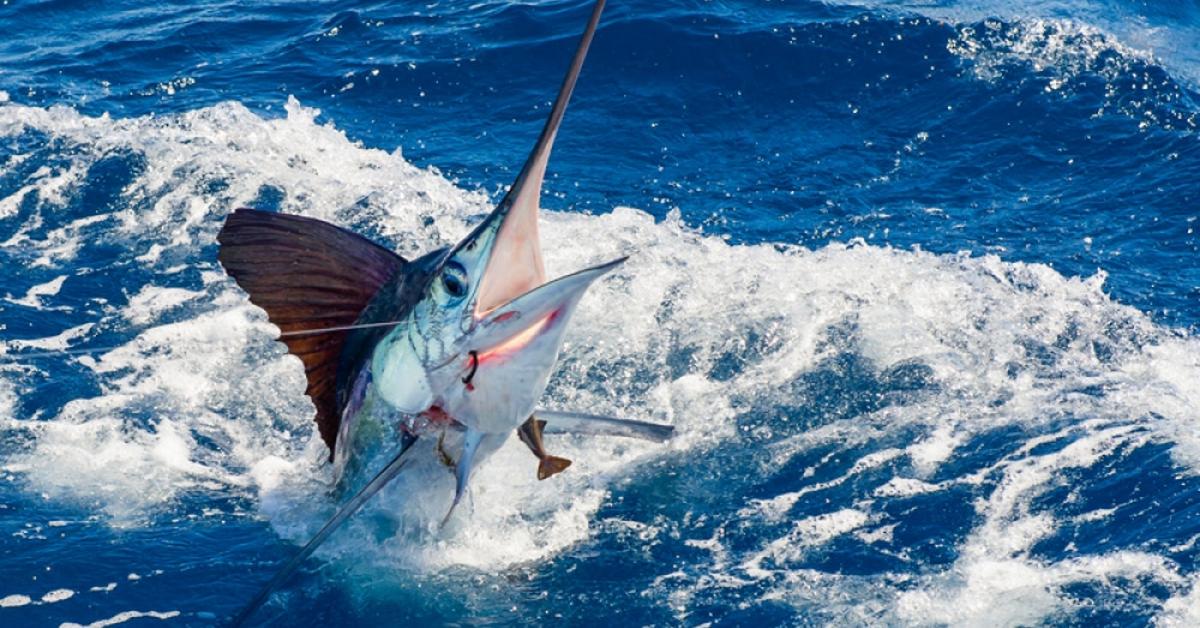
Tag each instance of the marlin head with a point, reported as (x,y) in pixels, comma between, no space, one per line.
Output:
(482,341)
(482,363)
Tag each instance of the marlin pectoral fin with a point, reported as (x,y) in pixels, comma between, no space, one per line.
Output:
(596,425)
(349,508)
(530,433)
(551,466)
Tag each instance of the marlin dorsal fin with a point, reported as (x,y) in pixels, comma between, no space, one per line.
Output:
(308,275)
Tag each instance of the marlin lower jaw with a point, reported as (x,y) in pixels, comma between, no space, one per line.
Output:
(507,378)
(506,361)
(506,381)
(522,316)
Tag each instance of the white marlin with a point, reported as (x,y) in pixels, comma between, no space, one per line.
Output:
(460,340)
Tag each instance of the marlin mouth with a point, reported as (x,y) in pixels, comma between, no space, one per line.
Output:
(505,330)
(511,296)
(515,323)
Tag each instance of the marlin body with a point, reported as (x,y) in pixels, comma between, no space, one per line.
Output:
(459,341)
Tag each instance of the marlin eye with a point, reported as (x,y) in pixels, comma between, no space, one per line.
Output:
(454,279)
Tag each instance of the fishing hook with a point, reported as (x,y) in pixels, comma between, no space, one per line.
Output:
(474,367)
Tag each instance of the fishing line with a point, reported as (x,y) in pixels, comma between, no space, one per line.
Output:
(90,350)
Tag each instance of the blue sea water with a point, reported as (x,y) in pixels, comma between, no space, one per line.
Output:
(918,284)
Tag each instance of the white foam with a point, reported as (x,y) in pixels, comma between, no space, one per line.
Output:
(805,534)
(936,448)
(57,595)
(152,301)
(50,186)
(1183,610)
(1068,47)
(774,509)
(15,600)
(8,397)
(999,591)
(123,617)
(34,296)
(99,463)
(1094,25)
(58,341)
(905,487)
(995,580)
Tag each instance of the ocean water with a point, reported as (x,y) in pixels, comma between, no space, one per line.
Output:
(916,282)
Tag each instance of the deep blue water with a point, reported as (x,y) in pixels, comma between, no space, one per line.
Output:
(918,283)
